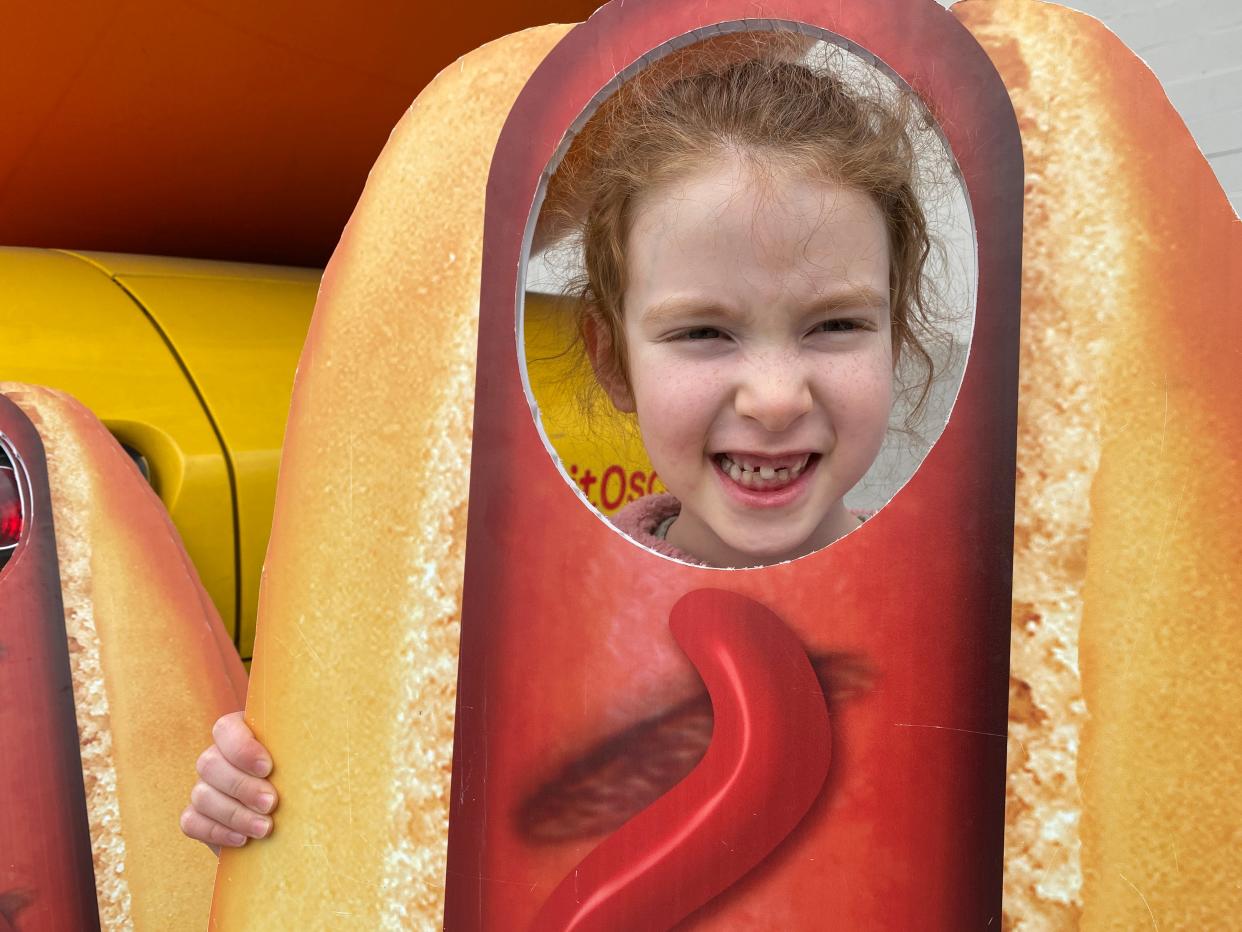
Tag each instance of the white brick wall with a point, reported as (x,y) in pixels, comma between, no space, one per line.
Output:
(1195,49)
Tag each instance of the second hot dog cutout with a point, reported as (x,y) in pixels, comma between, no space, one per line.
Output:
(578,714)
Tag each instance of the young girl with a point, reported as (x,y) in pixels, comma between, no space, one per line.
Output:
(753,272)
(754,253)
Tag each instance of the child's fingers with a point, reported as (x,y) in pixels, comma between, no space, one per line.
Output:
(197,826)
(253,793)
(238,744)
(227,811)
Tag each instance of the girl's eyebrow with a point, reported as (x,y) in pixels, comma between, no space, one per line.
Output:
(674,308)
(677,307)
(859,298)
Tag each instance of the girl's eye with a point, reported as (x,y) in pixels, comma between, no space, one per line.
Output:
(838,325)
(701,333)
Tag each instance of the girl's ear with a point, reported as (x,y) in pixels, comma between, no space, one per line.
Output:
(598,340)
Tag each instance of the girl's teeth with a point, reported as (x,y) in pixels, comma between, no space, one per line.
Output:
(753,476)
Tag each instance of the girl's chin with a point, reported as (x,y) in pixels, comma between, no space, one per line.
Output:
(750,545)
(758,550)
(776,554)
(721,534)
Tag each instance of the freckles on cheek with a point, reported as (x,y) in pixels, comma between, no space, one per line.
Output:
(674,403)
(661,380)
(866,393)
(685,389)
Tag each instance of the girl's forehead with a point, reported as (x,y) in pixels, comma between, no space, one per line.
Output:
(737,172)
(741,188)
(734,218)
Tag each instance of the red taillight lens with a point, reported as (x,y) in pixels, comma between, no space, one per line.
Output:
(10,508)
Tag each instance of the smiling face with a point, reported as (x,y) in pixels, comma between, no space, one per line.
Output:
(757,331)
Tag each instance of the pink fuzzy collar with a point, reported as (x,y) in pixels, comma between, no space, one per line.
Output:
(641,519)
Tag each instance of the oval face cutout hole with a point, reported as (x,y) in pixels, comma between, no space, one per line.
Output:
(726,336)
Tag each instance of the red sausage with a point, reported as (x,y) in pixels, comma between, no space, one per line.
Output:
(764,767)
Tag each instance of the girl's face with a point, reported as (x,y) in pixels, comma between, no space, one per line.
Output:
(761,363)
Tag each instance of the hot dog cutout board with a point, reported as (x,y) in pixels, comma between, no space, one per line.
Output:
(581,653)
(877,668)
(588,662)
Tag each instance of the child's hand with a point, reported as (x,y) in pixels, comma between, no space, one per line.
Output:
(231,800)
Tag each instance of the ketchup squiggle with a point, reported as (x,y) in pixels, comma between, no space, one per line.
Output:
(769,755)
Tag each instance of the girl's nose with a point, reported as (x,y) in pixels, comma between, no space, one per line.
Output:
(775,395)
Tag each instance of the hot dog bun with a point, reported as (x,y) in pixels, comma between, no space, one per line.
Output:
(151,662)
(360,604)
(1126,719)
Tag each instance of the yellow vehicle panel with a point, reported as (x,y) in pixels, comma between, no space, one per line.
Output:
(238,331)
(600,449)
(68,326)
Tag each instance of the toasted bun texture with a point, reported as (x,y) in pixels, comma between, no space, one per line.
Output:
(354,676)
(1125,715)
(152,668)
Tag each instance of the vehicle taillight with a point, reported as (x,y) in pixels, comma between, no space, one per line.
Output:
(10,511)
